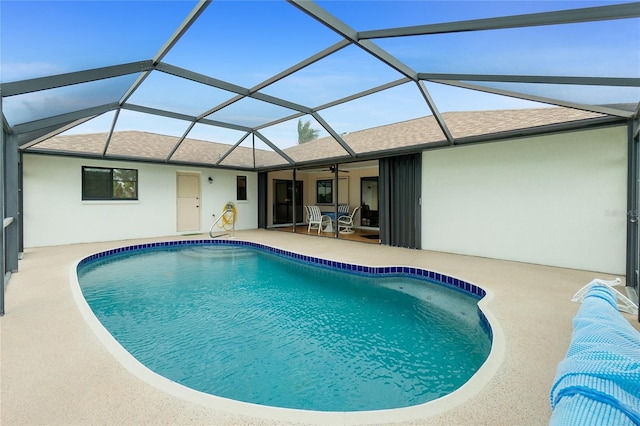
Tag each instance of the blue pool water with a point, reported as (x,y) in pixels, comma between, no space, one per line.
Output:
(241,323)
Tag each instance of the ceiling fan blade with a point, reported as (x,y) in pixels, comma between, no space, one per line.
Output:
(333,170)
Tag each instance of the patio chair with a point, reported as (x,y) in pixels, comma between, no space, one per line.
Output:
(316,219)
(345,223)
(343,210)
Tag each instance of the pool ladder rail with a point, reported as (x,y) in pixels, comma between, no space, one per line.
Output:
(233,226)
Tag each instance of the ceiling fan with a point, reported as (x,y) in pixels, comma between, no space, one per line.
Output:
(333,169)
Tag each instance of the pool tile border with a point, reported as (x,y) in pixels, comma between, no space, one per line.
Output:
(424,274)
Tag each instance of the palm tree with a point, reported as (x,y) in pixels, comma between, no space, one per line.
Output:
(305,132)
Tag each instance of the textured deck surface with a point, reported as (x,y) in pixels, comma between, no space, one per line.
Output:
(55,370)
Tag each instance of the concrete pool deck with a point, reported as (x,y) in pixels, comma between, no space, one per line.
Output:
(55,370)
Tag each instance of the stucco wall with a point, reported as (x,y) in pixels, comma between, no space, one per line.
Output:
(555,200)
(55,214)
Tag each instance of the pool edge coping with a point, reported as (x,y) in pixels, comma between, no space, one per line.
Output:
(468,390)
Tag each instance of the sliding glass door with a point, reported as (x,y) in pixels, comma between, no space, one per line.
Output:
(369,215)
(283,201)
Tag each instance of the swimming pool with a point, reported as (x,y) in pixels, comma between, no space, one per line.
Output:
(359,338)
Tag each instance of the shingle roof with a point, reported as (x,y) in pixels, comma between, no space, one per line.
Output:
(416,132)
(425,130)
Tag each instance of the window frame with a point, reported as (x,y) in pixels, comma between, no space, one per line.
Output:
(112,196)
(327,194)
(240,188)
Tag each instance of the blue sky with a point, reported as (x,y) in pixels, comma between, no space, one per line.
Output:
(247,42)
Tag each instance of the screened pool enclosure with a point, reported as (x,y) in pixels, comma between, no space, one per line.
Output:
(228,84)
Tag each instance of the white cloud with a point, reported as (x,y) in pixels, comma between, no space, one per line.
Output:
(28,70)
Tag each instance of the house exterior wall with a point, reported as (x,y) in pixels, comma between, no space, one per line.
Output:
(556,200)
(54,213)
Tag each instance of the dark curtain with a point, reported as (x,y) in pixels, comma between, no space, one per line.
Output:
(399,200)
(262,200)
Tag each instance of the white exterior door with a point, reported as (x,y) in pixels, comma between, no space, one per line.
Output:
(188,202)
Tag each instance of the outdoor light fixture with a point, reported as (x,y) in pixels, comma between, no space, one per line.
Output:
(210,179)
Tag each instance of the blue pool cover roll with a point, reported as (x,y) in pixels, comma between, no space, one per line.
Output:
(598,382)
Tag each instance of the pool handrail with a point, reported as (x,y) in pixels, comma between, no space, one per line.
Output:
(228,210)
